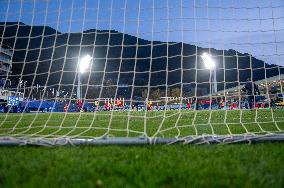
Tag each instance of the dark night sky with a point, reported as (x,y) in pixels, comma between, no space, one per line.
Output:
(249,26)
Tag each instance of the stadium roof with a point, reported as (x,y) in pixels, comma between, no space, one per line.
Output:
(259,82)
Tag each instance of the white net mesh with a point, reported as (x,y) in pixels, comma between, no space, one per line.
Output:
(164,71)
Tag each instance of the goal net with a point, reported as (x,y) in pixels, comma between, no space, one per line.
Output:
(138,72)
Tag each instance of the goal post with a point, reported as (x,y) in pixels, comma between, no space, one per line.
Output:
(141,72)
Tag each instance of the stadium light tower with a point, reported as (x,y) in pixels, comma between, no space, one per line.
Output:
(211,65)
(83,65)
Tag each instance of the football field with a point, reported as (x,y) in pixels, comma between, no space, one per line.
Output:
(167,124)
(234,165)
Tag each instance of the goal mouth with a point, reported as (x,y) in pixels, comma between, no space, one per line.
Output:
(130,72)
(142,127)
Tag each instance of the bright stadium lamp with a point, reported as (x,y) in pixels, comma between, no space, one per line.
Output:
(208,61)
(211,65)
(83,64)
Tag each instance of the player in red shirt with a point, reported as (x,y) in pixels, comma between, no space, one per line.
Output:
(80,105)
(256,105)
(222,104)
(65,108)
(107,106)
(110,105)
(234,105)
(188,105)
(231,106)
(263,105)
(119,103)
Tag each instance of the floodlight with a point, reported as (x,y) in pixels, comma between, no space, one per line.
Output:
(209,63)
(84,63)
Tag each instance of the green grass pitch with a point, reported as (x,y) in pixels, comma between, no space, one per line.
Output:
(236,165)
(133,124)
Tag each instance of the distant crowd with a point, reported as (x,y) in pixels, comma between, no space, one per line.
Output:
(251,100)
(193,104)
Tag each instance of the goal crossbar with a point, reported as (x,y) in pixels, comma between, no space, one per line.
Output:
(204,139)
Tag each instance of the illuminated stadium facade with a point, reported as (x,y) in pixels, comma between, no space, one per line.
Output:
(5,61)
(266,86)
(6,55)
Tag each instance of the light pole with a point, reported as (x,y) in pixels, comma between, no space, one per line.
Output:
(20,84)
(83,65)
(25,82)
(211,65)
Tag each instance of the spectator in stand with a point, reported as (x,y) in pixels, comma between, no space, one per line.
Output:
(251,90)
